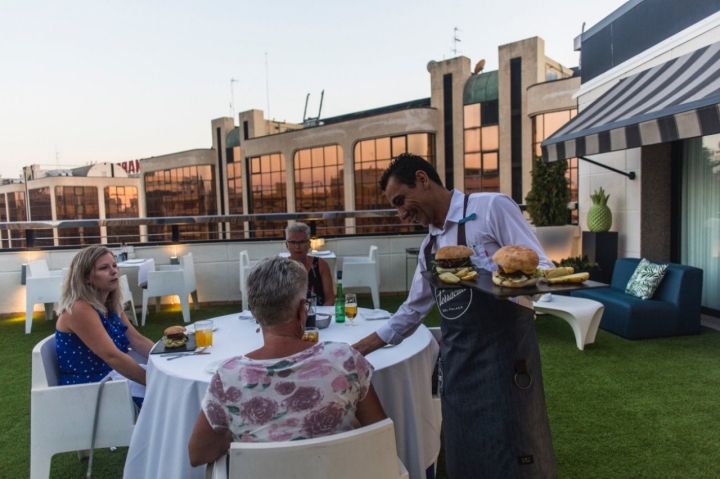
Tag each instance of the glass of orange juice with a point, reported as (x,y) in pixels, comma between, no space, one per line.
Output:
(204,333)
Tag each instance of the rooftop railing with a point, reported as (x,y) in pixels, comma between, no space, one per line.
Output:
(176,228)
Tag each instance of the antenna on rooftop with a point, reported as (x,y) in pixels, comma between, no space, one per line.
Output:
(456,40)
(267,85)
(309,121)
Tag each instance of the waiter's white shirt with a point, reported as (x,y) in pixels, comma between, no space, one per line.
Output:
(498,222)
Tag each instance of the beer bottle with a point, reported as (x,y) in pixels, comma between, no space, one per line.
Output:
(339,304)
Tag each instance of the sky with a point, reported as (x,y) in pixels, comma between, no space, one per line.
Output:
(112,81)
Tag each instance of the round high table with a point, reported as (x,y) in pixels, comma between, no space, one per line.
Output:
(175,389)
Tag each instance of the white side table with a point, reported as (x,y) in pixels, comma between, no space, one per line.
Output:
(583,315)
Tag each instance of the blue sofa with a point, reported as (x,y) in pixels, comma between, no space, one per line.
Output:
(674,309)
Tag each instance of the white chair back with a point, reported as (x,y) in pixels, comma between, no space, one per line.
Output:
(61,417)
(363,272)
(38,269)
(41,286)
(245,267)
(128,298)
(172,280)
(367,452)
(188,266)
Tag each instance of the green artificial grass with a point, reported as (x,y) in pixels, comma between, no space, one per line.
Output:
(619,409)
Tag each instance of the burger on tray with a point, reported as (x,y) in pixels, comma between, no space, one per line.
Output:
(453,264)
(517,267)
(175,336)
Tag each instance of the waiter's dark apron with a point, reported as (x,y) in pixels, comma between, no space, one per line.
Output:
(493,404)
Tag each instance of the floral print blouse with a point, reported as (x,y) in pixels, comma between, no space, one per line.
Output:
(309,394)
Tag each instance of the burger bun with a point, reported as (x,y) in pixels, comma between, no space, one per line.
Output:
(516,258)
(453,252)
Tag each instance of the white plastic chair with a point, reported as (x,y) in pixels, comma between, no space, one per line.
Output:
(245,267)
(41,286)
(367,452)
(62,417)
(363,272)
(172,280)
(127,298)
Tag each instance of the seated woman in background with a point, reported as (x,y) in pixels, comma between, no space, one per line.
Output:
(92,335)
(289,388)
(320,281)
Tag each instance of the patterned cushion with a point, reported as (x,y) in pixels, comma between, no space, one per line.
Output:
(646,279)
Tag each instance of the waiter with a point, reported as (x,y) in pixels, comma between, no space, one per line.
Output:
(493,404)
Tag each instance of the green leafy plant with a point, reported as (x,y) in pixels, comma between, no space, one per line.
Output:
(578,263)
(549,194)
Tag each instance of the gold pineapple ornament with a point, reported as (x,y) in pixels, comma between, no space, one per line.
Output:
(599,217)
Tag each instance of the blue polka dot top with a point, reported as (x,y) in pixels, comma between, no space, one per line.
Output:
(77,363)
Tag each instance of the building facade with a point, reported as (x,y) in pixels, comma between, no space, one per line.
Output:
(649,108)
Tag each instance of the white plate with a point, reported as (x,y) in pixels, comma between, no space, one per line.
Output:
(321,253)
(213,366)
(190,328)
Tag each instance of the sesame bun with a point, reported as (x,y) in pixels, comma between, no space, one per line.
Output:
(516,258)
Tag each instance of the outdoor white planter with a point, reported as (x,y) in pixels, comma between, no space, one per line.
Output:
(559,242)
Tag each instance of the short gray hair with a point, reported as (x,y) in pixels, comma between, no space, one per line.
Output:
(275,286)
(297,228)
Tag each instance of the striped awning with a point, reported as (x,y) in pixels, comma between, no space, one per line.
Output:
(676,100)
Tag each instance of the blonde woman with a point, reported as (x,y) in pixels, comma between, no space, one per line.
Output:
(93,335)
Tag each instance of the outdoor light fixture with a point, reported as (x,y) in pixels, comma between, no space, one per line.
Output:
(316,243)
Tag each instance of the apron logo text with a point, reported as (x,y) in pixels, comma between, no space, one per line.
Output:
(453,303)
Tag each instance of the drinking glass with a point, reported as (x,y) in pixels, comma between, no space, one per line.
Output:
(204,333)
(350,309)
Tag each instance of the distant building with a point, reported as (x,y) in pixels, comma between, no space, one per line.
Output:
(480,129)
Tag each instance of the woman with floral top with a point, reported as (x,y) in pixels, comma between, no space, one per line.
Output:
(288,389)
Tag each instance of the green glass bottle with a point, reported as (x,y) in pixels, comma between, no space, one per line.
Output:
(339,304)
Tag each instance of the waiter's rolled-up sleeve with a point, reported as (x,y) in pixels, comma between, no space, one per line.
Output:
(407,318)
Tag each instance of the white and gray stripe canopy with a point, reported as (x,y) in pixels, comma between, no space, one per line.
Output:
(672,101)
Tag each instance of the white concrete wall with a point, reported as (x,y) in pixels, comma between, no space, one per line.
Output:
(624,201)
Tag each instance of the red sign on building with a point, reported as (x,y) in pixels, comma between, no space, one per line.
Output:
(131,167)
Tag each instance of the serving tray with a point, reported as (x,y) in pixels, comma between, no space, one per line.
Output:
(159,347)
(483,282)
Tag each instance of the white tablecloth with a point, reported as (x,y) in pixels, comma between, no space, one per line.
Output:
(176,388)
(144,266)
